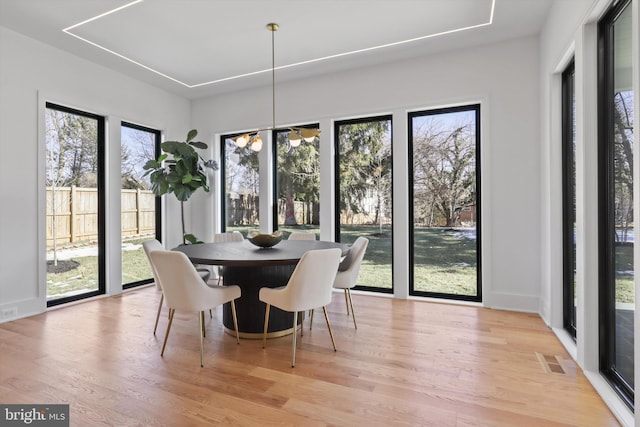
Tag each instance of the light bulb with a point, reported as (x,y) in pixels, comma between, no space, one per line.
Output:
(257,143)
(294,139)
(309,139)
(241,141)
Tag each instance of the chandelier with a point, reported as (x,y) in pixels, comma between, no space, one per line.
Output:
(296,134)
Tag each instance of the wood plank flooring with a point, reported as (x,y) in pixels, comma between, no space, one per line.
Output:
(409,363)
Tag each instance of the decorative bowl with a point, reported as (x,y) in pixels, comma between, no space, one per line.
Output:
(265,240)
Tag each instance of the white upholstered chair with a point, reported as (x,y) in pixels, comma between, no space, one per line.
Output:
(234,236)
(154,245)
(150,246)
(310,286)
(348,271)
(302,235)
(184,289)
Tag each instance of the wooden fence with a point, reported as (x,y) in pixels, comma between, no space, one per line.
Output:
(72,214)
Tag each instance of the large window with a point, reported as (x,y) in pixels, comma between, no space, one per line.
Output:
(74,170)
(569,198)
(140,217)
(241,184)
(363,180)
(616,230)
(445,240)
(297,184)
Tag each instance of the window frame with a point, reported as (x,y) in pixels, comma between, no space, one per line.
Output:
(606,196)
(568,198)
(158,199)
(101,188)
(274,148)
(445,110)
(336,172)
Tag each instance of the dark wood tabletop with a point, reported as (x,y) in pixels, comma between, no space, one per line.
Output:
(244,253)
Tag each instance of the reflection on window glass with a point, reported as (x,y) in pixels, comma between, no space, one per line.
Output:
(445,203)
(364,182)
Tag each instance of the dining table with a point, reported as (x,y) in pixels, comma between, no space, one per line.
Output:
(252,267)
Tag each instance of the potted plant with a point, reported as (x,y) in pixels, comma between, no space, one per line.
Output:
(182,174)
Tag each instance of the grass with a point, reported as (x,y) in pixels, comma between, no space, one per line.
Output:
(445,258)
(445,263)
(84,278)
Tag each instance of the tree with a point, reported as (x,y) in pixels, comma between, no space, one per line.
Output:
(242,179)
(364,152)
(298,175)
(623,161)
(71,157)
(444,170)
(182,174)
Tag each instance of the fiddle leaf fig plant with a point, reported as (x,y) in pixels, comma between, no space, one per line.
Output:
(180,170)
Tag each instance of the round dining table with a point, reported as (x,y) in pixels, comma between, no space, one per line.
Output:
(252,268)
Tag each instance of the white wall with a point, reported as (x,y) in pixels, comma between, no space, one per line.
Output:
(30,74)
(503,77)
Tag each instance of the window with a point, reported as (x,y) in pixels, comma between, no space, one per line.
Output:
(363,179)
(445,216)
(297,184)
(75,226)
(241,183)
(569,198)
(140,208)
(615,199)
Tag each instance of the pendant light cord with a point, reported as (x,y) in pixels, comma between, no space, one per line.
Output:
(273,80)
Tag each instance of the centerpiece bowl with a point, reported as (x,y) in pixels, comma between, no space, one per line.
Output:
(265,240)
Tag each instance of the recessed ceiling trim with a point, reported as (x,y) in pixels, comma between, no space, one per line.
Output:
(68,30)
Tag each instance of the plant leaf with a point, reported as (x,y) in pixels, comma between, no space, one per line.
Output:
(198,144)
(192,134)
(170,146)
(186,150)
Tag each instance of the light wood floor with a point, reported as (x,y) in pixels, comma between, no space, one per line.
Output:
(409,363)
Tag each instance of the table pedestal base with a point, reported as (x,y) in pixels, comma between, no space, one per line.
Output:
(258,336)
(249,309)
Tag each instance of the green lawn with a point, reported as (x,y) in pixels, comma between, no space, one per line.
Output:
(445,263)
(445,260)
(84,278)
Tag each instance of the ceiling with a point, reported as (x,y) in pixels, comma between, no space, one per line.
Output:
(199,48)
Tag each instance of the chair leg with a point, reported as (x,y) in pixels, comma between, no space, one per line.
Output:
(204,333)
(311,319)
(158,315)
(235,320)
(166,335)
(295,335)
(353,313)
(201,339)
(210,314)
(346,299)
(266,325)
(301,324)
(326,317)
